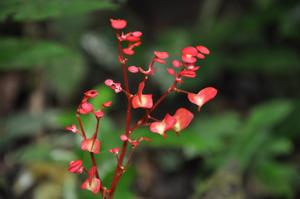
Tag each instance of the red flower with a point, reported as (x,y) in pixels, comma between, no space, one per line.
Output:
(188,55)
(85,108)
(118,24)
(183,119)
(114,150)
(99,113)
(91,93)
(161,127)
(142,100)
(76,166)
(113,85)
(92,184)
(72,128)
(188,73)
(203,96)
(92,145)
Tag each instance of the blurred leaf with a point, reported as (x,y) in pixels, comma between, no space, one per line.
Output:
(279,179)
(64,66)
(24,124)
(204,136)
(43,9)
(273,60)
(26,53)
(257,128)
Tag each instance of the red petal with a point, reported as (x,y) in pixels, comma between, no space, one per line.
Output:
(92,145)
(188,73)
(203,50)
(109,82)
(183,119)
(161,61)
(202,96)
(137,33)
(133,69)
(93,185)
(190,50)
(118,23)
(200,56)
(76,166)
(99,114)
(161,55)
(176,63)
(188,59)
(145,101)
(72,128)
(85,108)
(114,150)
(107,104)
(163,126)
(171,71)
(128,51)
(91,93)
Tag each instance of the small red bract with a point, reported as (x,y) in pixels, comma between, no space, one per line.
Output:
(76,166)
(118,24)
(72,128)
(203,50)
(161,55)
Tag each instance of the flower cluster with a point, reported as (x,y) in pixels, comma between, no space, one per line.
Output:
(180,70)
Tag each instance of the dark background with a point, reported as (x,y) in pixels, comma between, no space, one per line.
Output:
(243,144)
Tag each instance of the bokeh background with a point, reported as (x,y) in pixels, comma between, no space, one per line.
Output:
(243,144)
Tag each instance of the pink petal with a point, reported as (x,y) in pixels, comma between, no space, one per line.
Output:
(161,55)
(128,51)
(107,104)
(144,101)
(161,127)
(92,185)
(76,166)
(91,93)
(85,108)
(203,96)
(190,50)
(92,145)
(183,119)
(176,63)
(133,69)
(188,73)
(203,50)
(118,23)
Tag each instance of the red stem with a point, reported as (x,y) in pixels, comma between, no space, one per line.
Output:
(119,169)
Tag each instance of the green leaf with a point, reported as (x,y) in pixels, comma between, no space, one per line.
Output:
(64,66)
(25,124)
(278,179)
(25,53)
(42,9)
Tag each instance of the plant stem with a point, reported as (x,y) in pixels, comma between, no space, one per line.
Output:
(119,169)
